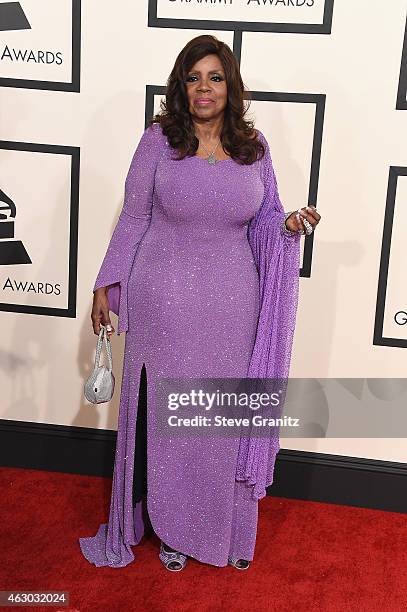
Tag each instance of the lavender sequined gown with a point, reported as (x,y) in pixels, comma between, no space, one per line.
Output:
(190,304)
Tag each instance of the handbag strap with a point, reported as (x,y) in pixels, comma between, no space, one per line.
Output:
(103,334)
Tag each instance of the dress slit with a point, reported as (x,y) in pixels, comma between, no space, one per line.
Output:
(140,456)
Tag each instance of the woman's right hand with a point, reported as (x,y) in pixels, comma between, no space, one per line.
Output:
(100,311)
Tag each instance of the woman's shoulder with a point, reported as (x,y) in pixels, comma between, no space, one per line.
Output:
(264,162)
(261,136)
(152,140)
(154,132)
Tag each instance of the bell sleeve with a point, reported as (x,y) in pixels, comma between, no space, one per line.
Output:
(132,224)
(276,251)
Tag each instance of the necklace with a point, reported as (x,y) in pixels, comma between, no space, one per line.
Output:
(211,159)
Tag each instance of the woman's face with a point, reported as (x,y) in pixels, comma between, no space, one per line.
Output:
(206,88)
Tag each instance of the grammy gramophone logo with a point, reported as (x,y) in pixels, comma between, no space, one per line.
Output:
(12,251)
(12,17)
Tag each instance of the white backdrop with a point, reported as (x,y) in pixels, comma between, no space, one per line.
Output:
(357,68)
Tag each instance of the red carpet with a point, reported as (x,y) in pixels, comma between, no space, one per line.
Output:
(309,556)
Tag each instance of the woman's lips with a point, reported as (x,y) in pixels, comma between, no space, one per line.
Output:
(203,101)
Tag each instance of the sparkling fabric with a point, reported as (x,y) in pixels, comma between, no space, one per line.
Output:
(209,290)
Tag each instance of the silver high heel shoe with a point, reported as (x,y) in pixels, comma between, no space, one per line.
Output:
(172,561)
(240,564)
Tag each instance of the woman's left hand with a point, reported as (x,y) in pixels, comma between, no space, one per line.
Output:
(294,221)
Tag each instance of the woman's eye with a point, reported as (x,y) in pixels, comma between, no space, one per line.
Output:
(215,76)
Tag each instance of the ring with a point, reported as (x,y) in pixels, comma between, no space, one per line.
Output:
(108,328)
(300,231)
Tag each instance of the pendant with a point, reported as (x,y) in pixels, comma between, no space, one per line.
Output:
(211,159)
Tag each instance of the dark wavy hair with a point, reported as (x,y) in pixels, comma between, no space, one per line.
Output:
(238,136)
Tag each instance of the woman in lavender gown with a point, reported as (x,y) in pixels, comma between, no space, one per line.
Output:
(204,267)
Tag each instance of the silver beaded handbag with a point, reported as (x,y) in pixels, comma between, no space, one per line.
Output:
(99,387)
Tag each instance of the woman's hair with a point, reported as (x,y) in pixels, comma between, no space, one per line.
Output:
(238,136)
